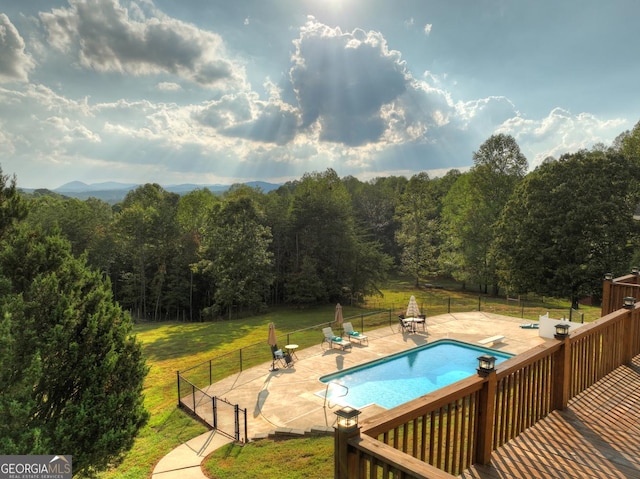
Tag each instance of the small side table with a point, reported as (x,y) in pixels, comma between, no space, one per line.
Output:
(291,349)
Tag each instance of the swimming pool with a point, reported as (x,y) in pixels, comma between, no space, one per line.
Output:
(401,377)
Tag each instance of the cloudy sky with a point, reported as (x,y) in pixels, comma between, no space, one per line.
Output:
(221,91)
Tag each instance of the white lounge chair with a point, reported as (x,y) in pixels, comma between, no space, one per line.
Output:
(332,339)
(351,334)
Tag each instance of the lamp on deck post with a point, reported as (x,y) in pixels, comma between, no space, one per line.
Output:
(347,418)
(346,428)
(629,302)
(608,276)
(562,331)
(486,365)
(635,270)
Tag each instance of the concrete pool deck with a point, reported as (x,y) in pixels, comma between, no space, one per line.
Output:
(288,399)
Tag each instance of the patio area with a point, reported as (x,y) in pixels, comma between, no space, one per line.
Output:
(288,398)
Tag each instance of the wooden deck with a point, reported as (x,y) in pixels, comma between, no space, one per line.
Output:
(595,437)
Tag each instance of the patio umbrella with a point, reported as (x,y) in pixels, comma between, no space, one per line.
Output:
(273,342)
(339,318)
(412,310)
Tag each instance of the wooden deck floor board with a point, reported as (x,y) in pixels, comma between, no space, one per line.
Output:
(595,437)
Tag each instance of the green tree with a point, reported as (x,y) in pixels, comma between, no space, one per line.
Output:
(324,236)
(629,143)
(236,256)
(72,373)
(12,206)
(194,212)
(568,223)
(147,231)
(374,210)
(417,235)
(498,167)
(277,209)
(86,224)
(458,230)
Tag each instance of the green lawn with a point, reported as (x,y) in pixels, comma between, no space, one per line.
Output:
(307,458)
(173,346)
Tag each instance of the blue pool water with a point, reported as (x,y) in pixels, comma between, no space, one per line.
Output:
(401,377)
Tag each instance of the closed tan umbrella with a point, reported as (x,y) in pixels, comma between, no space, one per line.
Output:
(339,318)
(272,340)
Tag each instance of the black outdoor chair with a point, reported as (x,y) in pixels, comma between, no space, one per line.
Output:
(404,327)
(280,357)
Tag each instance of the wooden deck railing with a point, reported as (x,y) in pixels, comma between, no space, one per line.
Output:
(441,434)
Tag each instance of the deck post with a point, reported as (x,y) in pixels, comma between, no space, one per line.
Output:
(341,453)
(562,375)
(486,416)
(606,297)
(628,338)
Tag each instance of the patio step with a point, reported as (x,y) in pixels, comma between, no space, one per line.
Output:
(292,433)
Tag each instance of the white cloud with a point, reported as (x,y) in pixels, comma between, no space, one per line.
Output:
(427,28)
(15,62)
(107,38)
(560,132)
(342,81)
(346,100)
(169,86)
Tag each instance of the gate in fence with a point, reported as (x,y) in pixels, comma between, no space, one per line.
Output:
(226,418)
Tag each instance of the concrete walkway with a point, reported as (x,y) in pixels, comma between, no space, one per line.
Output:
(292,398)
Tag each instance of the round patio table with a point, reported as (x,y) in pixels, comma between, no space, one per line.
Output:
(291,349)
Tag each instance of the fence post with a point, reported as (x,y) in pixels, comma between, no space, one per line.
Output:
(449,305)
(215,411)
(236,410)
(193,396)
(486,413)
(240,359)
(178,377)
(210,374)
(246,432)
(479,304)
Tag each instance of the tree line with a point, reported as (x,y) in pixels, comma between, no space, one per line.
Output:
(554,231)
(71,372)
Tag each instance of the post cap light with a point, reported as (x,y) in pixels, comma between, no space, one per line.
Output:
(629,302)
(608,276)
(635,270)
(486,364)
(347,418)
(562,331)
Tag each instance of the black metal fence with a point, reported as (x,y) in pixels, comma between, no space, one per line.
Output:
(196,395)
(218,413)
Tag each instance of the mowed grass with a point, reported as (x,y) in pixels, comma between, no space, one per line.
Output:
(173,346)
(306,458)
(176,346)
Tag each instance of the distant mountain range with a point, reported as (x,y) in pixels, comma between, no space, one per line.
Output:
(113,192)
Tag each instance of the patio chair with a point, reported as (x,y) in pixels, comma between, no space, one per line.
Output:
(280,357)
(332,339)
(404,327)
(351,334)
(422,319)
